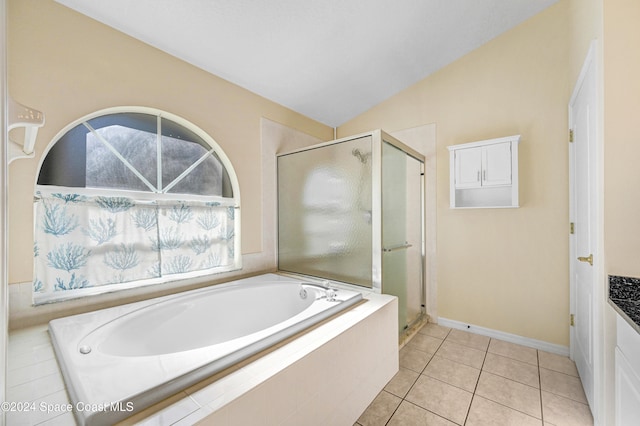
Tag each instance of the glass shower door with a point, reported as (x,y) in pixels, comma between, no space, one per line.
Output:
(402,271)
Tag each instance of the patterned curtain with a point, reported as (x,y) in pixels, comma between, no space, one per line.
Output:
(84,241)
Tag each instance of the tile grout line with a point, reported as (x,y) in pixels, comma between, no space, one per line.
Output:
(396,409)
(423,370)
(52,418)
(473,395)
(499,403)
(403,399)
(559,394)
(525,384)
(422,408)
(540,385)
(539,370)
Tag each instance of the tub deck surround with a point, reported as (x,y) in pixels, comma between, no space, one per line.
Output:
(327,375)
(133,356)
(624,296)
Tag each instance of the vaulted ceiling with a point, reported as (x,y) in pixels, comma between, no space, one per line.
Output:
(330,60)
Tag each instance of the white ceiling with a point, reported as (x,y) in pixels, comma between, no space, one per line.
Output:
(327,59)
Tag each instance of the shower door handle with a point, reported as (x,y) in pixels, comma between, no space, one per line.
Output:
(398,247)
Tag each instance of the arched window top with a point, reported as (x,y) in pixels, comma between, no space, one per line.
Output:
(138,149)
(128,197)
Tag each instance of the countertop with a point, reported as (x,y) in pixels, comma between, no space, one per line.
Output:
(624,296)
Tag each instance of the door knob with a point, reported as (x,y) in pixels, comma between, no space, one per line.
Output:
(588,259)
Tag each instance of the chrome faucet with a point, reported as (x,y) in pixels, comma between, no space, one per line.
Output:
(329,293)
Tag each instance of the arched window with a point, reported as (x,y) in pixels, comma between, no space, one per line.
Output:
(128,197)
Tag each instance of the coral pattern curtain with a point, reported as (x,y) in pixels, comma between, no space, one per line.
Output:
(84,241)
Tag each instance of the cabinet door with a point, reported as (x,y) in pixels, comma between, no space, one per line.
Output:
(468,162)
(496,164)
(627,397)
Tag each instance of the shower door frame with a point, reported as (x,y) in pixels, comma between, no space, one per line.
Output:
(378,138)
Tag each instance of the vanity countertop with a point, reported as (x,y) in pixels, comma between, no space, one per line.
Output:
(624,296)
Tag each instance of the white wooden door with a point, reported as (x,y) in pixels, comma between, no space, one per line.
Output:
(584,240)
(496,164)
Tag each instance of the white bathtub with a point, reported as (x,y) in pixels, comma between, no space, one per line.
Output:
(120,360)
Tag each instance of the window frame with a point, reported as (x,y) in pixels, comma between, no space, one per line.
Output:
(191,277)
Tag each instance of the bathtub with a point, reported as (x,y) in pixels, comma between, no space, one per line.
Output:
(120,360)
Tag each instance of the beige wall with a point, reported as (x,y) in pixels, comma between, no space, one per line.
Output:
(585,25)
(622,140)
(504,269)
(67,65)
(621,88)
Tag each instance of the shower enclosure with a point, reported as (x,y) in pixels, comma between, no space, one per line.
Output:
(352,210)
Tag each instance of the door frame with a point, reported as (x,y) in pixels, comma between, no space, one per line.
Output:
(4,165)
(596,196)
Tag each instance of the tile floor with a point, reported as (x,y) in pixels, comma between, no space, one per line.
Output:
(453,377)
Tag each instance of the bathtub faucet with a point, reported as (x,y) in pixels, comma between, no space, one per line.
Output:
(329,293)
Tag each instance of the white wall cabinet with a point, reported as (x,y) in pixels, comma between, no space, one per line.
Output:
(484,174)
(627,374)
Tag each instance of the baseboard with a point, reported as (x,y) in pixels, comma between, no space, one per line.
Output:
(508,337)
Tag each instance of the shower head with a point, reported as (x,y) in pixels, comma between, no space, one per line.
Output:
(362,157)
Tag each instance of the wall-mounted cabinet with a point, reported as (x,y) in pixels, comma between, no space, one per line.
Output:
(484,174)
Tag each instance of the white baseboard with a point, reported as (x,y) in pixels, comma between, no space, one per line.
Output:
(508,337)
